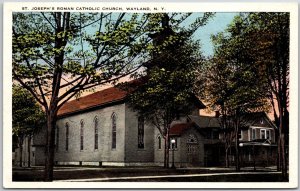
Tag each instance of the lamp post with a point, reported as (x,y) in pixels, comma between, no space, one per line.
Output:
(173,148)
(241,154)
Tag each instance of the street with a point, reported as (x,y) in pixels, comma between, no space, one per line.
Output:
(148,174)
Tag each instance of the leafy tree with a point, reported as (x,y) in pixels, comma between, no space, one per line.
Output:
(58,55)
(27,117)
(268,35)
(165,90)
(233,84)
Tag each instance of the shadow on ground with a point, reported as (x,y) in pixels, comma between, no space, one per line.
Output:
(118,173)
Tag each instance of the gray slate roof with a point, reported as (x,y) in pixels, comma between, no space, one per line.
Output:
(205,121)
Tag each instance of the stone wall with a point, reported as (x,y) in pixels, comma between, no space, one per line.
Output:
(133,154)
(104,153)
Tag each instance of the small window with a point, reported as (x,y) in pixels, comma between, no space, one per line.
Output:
(240,135)
(253,134)
(269,135)
(96,133)
(67,136)
(263,134)
(140,132)
(159,142)
(81,134)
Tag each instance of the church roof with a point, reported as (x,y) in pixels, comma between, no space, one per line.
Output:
(100,98)
(103,98)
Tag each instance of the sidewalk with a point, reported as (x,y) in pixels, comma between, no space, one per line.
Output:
(135,178)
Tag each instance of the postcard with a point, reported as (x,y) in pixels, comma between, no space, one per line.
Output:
(150,95)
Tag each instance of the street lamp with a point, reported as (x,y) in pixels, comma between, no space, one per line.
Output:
(173,148)
(241,154)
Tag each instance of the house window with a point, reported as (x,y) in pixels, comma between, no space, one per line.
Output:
(263,134)
(96,133)
(240,135)
(159,142)
(140,132)
(114,131)
(269,134)
(81,134)
(67,136)
(253,134)
(57,138)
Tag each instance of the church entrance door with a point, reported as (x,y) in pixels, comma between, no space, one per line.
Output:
(192,153)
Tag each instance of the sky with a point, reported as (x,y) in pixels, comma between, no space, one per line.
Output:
(217,24)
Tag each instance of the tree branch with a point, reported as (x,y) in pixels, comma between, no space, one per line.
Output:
(48,21)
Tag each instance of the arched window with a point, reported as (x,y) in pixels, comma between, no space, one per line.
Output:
(159,142)
(114,131)
(140,132)
(57,138)
(96,132)
(192,139)
(81,134)
(67,136)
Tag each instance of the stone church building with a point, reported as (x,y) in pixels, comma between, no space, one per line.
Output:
(101,130)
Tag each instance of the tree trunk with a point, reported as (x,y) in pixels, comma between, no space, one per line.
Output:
(279,164)
(49,160)
(167,141)
(230,155)
(283,158)
(52,110)
(282,143)
(29,150)
(226,157)
(165,153)
(237,154)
